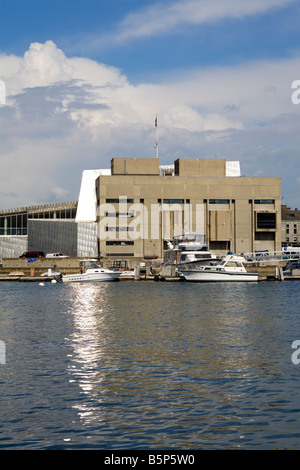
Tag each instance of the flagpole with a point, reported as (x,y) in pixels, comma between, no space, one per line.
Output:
(156,144)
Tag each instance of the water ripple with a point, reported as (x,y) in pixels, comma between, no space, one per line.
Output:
(149,366)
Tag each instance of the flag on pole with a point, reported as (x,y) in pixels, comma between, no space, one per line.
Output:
(156,121)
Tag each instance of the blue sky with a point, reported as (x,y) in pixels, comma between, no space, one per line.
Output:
(85,79)
(82,28)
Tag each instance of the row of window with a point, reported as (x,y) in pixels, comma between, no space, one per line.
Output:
(265,220)
(13,231)
(119,243)
(20,220)
(181,201)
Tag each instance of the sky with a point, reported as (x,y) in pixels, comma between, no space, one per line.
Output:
(82,82)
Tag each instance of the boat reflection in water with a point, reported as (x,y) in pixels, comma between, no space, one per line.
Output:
(231,268)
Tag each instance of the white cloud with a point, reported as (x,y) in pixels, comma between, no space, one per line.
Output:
(162,18)
(64,115)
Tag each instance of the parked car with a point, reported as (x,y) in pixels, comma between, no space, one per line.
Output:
(56,255)
(32,254)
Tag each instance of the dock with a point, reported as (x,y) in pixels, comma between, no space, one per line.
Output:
(19,270)
(27,278)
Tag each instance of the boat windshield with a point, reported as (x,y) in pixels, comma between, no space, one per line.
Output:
(90,265)
(232,264)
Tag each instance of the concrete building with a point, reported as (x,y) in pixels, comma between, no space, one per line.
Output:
(141,205)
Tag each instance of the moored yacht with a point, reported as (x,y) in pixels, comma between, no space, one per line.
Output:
(188,248)
(231,268)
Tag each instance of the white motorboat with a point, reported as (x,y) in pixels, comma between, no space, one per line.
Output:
(231,268)
(90,271)
(122,266)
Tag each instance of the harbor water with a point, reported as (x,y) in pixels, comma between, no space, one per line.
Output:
(150,365)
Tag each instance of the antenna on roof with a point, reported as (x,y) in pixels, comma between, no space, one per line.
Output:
(156,143)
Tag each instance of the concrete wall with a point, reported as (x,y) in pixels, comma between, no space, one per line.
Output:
(135,166)
(13,246)
(52,236)
(200,167)
(64,265)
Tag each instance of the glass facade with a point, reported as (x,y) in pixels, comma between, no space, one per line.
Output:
(14,224)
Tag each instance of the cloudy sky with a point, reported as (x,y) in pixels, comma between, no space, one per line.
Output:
(84,81)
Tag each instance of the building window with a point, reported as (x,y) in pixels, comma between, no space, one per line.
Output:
(119,243)
(119,214)
(119,254)
(263,201)
(219,201)
(173,201)
(119,200)
(266,220)
(264,236)
(119,229)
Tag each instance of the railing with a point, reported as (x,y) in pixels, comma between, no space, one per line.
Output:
(271,255)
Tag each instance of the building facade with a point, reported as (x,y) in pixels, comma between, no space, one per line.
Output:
(140,205)
(290,226)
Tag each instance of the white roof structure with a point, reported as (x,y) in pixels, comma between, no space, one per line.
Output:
(233,168)
(87,202)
